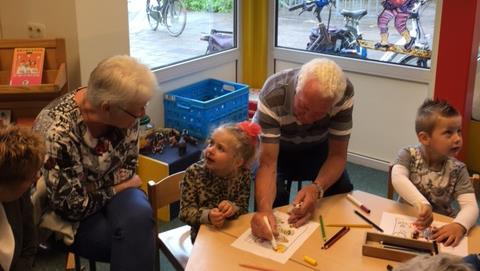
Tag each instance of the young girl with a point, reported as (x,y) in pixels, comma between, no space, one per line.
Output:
(430,178)
(218,186)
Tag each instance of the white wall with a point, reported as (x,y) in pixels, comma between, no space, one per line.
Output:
(92,29)
(59,18)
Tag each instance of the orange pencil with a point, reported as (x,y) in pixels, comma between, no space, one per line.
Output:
(253,267)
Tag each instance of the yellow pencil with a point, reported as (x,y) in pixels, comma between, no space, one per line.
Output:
(350,225)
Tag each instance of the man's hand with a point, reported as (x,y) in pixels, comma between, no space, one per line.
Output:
(450,234)
(259,229)
(424,217)
(301,215)
(216,217)
(226,208)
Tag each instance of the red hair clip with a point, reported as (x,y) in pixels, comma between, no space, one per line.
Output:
(251,129)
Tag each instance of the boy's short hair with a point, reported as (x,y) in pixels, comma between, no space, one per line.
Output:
(428,113)
(439,262)
(22,153)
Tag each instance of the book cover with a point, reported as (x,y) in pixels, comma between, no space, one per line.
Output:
(27,66)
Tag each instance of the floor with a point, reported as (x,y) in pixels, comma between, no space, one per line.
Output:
(363,178)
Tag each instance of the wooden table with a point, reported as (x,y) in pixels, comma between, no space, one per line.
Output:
(213,250)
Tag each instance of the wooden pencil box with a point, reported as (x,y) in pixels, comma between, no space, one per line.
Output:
(395,248)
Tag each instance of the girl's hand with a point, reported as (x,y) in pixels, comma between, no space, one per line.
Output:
(424,217)
(450,234)
(216,217)
(226,207)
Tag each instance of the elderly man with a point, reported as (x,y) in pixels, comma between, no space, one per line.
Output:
(306,119)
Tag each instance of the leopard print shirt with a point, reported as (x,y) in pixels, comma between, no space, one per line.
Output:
(201,191)
(80,170)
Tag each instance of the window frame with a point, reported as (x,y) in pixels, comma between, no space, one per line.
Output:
(362,66)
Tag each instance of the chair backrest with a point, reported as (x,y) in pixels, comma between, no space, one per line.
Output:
(390,189)
(165,191)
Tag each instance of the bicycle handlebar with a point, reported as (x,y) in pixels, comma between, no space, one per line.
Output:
(297,6)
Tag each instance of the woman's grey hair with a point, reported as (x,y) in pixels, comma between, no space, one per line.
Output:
(439,262)
(119,80)
(327,73)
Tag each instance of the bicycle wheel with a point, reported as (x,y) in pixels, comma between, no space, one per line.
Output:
(176,18)
(153,14)
(414,61)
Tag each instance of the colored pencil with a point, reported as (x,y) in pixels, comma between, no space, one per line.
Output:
(358,203)
(350,225)
(368,221)
(335,237)
(253,267)
(405,248)
(273,241)
(322,228)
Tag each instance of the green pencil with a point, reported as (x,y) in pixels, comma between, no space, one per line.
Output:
(322,228)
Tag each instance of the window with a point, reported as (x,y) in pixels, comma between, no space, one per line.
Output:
(166,32)
(354,29)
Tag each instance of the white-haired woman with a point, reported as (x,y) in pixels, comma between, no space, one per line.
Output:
(306,120)
(91,138)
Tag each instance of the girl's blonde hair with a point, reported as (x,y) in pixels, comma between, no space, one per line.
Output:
(246,133)
(22,154)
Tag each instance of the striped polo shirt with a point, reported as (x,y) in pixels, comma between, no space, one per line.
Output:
(279,125)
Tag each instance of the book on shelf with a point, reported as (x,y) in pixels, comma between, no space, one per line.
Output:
(27,66)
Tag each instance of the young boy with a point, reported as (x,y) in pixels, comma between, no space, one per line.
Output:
(21,156)
(430,178)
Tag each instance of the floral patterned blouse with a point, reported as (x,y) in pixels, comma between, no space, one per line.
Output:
(80,170)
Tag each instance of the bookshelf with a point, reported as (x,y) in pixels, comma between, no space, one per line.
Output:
(27,101)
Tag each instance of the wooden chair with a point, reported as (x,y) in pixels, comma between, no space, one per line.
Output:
(175,243)
(390,189)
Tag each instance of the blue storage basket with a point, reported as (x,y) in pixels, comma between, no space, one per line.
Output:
(205,105)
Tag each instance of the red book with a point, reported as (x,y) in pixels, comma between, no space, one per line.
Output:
(27,66)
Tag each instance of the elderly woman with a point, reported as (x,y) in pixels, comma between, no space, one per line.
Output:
(91,139)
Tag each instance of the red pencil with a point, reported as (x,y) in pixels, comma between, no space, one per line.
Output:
(335,237)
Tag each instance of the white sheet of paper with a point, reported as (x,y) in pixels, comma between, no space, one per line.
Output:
(292,241)
(400,225)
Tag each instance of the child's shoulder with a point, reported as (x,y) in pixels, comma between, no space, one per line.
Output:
(455,163)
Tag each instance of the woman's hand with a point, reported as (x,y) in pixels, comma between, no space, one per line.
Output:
(135,181)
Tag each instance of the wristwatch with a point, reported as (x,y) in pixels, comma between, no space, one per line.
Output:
(319,190)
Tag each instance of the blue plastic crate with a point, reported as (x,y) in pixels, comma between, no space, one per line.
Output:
(202,106)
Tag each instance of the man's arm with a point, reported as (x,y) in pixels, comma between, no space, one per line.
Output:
(328,174)
(334,165)
(265,181)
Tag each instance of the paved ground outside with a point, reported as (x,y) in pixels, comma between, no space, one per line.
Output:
(158,48)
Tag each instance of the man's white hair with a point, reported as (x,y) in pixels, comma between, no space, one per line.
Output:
(327,74)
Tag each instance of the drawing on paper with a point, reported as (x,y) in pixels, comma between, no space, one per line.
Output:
(288,241)
(286,235)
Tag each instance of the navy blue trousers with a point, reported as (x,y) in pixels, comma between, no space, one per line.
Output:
(305,165)
(122,233)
